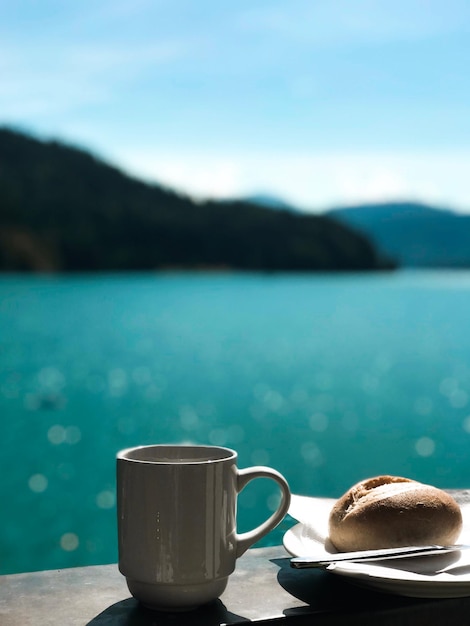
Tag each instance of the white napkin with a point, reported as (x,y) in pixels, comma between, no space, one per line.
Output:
(313,514)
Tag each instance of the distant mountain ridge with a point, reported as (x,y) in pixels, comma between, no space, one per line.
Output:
(63,209)
(414,234)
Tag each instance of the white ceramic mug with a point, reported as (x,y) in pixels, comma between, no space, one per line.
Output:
(178,540)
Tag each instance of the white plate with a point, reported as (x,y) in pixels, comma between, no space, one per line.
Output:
(444,576)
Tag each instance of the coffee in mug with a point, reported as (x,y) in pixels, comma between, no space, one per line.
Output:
(177,533)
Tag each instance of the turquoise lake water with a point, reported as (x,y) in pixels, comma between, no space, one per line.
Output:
(327,378)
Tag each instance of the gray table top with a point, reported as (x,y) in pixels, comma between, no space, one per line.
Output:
(263,589)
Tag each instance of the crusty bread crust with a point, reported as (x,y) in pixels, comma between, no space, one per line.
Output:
(391,511)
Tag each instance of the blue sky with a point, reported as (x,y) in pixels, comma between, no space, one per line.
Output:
(321,103)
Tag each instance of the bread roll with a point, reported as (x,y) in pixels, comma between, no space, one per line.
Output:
(389,512)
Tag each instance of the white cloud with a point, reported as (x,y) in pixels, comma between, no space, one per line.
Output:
(313,181)
(199,175)
(376,183)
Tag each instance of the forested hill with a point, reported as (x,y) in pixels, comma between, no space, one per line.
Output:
(62,209)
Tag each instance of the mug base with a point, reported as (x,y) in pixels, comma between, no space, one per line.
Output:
(169,598)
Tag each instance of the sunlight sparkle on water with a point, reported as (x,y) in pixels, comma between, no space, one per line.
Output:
(69,542)
(189,419)
(448,386)
(466,424)
(425,446)
(458,399)
(260,456)
(117,382)
(105,499)
(318,422)
(218,436)
(73,435)
(51,378)
(273,501)
(38,483)
(311,453)
(58,434)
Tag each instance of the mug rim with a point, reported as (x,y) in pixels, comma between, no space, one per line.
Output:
(226,454)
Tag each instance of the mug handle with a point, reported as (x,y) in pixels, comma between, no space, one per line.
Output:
(244,476)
